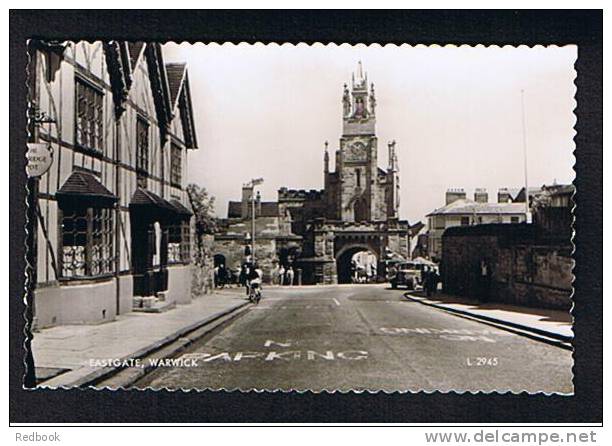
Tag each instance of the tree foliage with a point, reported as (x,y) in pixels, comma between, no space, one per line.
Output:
(202,206)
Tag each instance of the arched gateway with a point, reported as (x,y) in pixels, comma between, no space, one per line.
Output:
(344,260)
(357,210)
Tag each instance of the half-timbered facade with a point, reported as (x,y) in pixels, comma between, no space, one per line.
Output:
(113,221)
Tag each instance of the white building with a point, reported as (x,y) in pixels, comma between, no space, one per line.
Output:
(462,211)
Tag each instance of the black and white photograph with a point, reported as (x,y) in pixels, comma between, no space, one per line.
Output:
(313,217)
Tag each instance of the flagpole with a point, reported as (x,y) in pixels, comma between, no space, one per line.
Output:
(525,154)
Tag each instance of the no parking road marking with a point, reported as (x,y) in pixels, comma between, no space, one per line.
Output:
(282,356)
(449,334)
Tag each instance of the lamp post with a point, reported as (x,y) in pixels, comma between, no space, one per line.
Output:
(254,182)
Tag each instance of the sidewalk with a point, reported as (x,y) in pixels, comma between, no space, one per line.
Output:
(555,324)
(66,351)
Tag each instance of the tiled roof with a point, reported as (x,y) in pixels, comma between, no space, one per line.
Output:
(180,207)
(466,206)
(176,73)
(134,49)
(143,197)
(84,184)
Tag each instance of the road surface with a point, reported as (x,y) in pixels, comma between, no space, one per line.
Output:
(362,337)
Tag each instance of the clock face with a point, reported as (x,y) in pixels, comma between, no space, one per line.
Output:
(356,152)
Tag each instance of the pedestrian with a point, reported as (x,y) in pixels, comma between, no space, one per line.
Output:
(216,276)
(222,276)
(281,275)
(242,276)
(485,281)
(432,281)
(290,275)
(426,280)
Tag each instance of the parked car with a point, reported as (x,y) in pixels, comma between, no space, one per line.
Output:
(408,274)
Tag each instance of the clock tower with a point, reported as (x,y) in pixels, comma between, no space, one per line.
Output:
(356,161)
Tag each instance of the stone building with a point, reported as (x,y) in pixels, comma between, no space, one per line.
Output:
(357,210)
(526,264)
(113,229)
(275,243)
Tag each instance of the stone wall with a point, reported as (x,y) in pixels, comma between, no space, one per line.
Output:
(524,269)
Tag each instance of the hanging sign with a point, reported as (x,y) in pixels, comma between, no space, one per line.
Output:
(40,158)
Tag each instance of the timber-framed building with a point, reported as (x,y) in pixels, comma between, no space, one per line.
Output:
(113,226)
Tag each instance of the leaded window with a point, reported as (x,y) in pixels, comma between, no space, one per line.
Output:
(89,116)
(87,242)
(176,170)
(179,242)
(142,151)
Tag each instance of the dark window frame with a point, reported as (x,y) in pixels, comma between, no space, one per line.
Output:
(176,165)
(94,234)
(179,239)
(91,120)
(143,151)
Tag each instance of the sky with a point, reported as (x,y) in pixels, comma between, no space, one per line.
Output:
(455,112)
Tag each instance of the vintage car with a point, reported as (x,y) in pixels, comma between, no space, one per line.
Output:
(408,274)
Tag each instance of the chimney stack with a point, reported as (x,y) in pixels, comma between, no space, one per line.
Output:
(455,194)
(481,195)
(503,195)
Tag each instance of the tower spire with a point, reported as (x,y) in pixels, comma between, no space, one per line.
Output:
(326,158)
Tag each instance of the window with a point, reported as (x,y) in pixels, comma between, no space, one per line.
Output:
(358,177)
(89,116)
(87,242)
(514,219)
(179,243)
(439,222)
(142,152)
(465,221)
(176,168)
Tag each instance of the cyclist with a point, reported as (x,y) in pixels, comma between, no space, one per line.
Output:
(254,280)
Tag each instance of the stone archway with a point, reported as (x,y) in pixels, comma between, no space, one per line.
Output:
(344,257)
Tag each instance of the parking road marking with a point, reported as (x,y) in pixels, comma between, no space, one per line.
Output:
(336,301)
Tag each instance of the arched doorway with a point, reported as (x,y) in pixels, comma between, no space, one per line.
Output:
(219,259)
(353,262)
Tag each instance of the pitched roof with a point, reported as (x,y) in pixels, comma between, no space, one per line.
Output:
(180,96)
(180,207)
(466,206)
(84,184)
(176,75)
(134,49)
(144,197)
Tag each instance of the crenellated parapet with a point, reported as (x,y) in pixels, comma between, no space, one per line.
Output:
(285,194)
